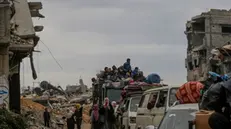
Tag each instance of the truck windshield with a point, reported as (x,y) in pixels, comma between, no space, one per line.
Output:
(113,94)
(134,102)
(177,119)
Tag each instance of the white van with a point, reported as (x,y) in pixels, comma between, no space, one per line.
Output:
(129,116)
(178,116)
(162,98)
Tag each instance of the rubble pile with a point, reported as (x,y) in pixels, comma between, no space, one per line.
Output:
(28,103)
(15,39)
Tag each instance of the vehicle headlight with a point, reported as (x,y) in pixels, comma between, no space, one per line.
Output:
(132,119)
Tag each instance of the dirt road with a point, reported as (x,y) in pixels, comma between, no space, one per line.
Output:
(86,126)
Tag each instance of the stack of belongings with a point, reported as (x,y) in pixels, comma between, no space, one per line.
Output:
(206,95)
(135,87)
(189,92)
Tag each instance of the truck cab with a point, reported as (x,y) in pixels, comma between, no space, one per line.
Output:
(112,90)
(129,115)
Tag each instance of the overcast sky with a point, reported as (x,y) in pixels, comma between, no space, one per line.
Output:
(87,35)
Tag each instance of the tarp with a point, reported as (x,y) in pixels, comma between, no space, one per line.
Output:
(153,78)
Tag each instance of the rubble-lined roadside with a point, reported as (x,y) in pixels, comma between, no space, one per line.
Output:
(34,112)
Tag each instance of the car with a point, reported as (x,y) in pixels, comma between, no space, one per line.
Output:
(178,116)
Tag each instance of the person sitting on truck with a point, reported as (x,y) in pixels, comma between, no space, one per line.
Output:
(121,72)
(106,73)
(141,77)
(114,74)
(127,65)
(135,72)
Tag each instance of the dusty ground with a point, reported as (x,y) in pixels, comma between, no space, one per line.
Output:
(86,126)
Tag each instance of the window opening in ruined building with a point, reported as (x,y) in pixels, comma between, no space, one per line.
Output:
(226,29)
(202,53)
(190,65)
(196,63)
(199,26)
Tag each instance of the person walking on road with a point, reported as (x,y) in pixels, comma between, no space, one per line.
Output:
(78,115)
(95,117)
(46,117)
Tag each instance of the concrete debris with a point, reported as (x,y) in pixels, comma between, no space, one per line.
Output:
(34,111)
(57,101)
(17,40)
(203,39)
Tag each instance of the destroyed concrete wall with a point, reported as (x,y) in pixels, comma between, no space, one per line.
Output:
(25,27)
(205,32)
(4,23)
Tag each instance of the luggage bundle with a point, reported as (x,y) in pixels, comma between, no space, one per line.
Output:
(189,92)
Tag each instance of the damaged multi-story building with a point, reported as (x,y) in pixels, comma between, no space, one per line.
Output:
(17,41)
(205,34)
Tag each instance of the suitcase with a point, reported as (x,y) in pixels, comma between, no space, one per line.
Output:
(201,120)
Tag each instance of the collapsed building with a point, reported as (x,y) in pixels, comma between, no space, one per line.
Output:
(205,33)
(17,41)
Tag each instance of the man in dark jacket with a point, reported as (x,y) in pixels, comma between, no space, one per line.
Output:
(218,99)
(46,116)
(127,65)
(78,115)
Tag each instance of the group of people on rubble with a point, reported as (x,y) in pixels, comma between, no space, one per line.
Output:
(73,117)
(104,117)
(123,72)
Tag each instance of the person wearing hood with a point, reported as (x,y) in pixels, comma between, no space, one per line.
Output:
(220,119)
(213,78)
(218,98)
(108,114)
(78,115)
(95,118)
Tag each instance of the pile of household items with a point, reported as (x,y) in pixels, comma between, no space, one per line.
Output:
(211,95)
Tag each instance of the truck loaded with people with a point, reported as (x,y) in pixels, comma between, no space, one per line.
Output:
(117,93)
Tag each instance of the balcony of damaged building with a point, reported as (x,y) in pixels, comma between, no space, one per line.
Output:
(17,41)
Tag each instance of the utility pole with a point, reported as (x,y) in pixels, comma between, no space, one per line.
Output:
(4,49)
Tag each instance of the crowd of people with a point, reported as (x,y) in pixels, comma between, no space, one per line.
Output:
(73,118)
(125,71)
(104,117)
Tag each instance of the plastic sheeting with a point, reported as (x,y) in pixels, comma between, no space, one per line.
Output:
(153,78)
(211,98)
